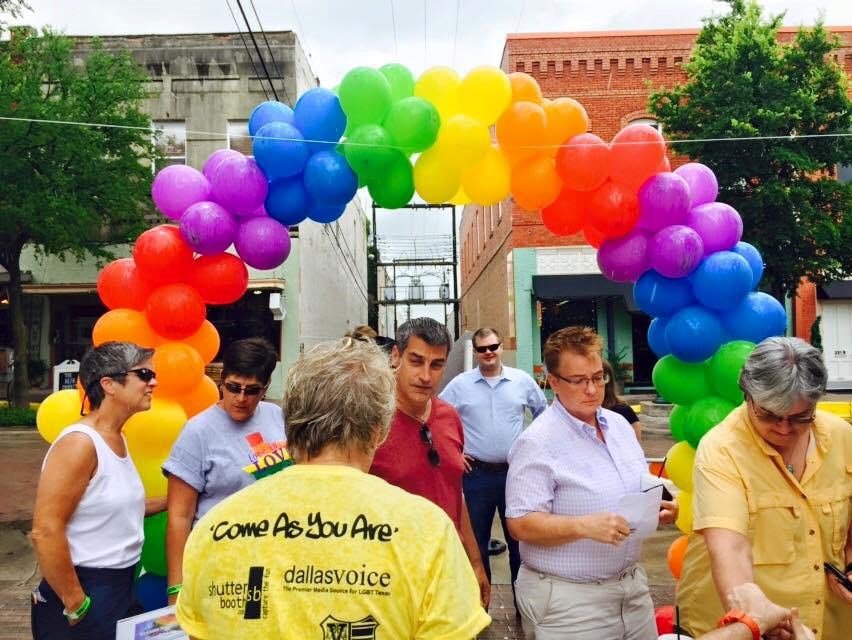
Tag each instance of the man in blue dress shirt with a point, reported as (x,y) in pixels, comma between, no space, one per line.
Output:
(491,400)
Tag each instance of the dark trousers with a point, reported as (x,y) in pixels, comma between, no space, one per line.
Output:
(485,493)
(113,594)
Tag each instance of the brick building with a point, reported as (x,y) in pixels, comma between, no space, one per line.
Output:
(508,255)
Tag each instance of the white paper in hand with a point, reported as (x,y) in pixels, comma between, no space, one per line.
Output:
(642,511)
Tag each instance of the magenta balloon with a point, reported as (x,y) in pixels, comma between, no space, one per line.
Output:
(263,243)
(239,185)
(177,187)
(260,212)
(675,251)
(208,228)
(663,201)
(718,224)
(625,258)
(703,186)
(215,159)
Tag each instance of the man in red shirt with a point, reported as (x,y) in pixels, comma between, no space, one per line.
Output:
(423,451)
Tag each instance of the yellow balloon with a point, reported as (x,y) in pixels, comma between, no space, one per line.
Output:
(153,432)
(463,140)
(489,180)
(57,411)
(442,87)
(435,178)
(151,473)
(460,198)
(679,463)
(684,516)
(485,94)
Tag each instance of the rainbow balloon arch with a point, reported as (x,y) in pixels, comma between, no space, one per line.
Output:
(397,135)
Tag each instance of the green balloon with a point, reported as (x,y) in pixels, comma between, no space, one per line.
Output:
(365,96)
(400,79)
(154,549)
(680,382)
(678,420)
(724,368)
(395,187)
(704,415)
(369,151)
(413,123)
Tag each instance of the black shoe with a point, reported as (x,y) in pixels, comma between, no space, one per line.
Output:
(496,547)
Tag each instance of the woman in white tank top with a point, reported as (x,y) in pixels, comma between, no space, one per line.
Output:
(90,504)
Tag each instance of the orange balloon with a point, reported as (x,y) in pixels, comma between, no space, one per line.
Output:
(593,236)
(535,183)
(613,209)
(676,553)
(583,162)
(522,130)
(566,215)
(179,368)
(566,118)
(636,153)
(205,341)
(524,88)
(203,396)
(124,325)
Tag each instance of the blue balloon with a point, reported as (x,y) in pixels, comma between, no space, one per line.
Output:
(659,296)
(288,201)
(722,280)
(754,259)
(151,591)
(693,334)
(267,112)
(329,179)
(319,116)
(757,317)
(657,337)
(326,213)
(280,150)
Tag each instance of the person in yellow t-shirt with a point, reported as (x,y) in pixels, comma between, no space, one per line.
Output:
(773,484)
(324,550)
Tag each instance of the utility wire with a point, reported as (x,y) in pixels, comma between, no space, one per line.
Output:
(520,15)
(424,34)
(299,24)
(271,55)
(346,263)
(257,48)
(395,46)
(248,53)
(456,36)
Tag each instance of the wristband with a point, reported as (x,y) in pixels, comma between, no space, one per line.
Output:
(174,589)
(735,615)
(80,612)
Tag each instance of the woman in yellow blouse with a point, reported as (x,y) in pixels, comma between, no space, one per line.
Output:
(773,484)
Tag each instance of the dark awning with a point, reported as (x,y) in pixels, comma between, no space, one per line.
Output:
(839,290)
(582,287)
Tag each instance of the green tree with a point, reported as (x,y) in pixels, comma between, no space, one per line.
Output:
(69,190)
(12,8)
(744,83)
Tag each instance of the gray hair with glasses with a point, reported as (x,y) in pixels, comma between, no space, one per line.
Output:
(782,371)
(109,360)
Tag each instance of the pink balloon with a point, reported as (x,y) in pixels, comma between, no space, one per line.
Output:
(625,258)
(178,187)
(718,224)
(675,251)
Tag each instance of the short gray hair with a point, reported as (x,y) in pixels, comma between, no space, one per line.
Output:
(428,330)
(109,360)
(340,394)
(782,371)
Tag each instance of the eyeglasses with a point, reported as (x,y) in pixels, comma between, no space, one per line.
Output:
(250,390)
(598,380)
(426,437)
(143,373)
(488,347)
(768,416)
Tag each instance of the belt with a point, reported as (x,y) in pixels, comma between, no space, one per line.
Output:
(629,572)
(489,466)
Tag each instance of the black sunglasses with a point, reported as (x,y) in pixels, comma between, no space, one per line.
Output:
(432,453)
(143,373)
(488,347)
(251,390)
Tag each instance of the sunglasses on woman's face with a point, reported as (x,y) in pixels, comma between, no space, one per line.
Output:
(432,453)
(488,347)
(143,373)
(250,390)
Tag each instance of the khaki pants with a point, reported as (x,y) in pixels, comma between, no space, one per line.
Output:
(555,608)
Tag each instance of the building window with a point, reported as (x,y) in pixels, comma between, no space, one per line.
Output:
(170,138)
(238,137)
(651,122)
(844,173)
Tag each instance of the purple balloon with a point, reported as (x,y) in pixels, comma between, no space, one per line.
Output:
(703,186)
(718,224)
(260,212)
(675,251)
(262,243)
(215,159)
(208,228)
(239,185)
(177,187)
(663,201)
(625,258)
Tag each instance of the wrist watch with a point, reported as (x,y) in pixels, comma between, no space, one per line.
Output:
(736,615)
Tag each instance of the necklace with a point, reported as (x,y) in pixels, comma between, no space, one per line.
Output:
(790,466)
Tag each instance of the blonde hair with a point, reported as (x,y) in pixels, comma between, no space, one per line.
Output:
(582,341)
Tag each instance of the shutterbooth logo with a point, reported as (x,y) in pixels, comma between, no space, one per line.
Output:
(254,593)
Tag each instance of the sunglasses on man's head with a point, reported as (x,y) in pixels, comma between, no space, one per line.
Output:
(250,390)
(432,453)
(488,347)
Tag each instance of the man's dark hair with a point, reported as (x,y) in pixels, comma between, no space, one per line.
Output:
(249,358)
(428,330)
(484,332)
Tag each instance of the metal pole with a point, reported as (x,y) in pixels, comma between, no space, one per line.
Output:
(373,312)
(455,279)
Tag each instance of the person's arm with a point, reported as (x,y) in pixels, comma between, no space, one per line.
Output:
(153,506)
(472,551)
(839,590)
(536,400)
(637,429)
(182,504)
(67,471)
(550,530)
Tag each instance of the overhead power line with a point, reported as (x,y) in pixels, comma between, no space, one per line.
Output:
(257,48)
(245,45)
(271,55)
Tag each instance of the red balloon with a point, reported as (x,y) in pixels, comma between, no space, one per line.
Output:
(175,311)
(162,255)
(121,286)
(593,236)
(567,214)
(613,209)
(583,162)
(665,619)
(220,278)
(636,153)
